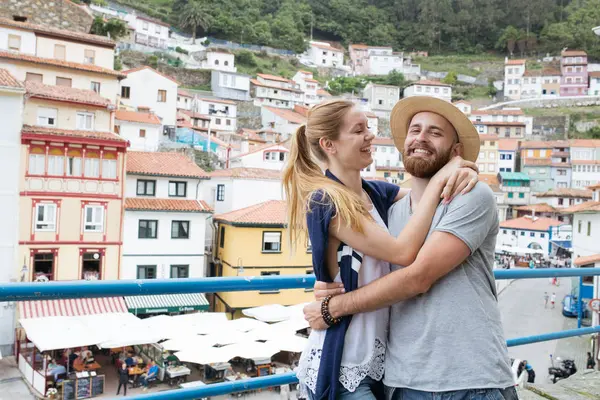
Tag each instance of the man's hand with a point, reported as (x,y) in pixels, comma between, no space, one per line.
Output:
(324,289)
(312,314)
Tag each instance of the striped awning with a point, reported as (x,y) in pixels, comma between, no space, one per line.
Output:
(71,307)
(166,303)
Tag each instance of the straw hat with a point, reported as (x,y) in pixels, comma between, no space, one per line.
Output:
(405,110)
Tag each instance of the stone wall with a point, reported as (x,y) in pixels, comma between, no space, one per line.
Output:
(550,127)
(54,13)
(583,101)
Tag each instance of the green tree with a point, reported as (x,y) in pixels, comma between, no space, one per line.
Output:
(509,38)
(556,36)
(395,78)
(113,28)
(194,15)
(451,78)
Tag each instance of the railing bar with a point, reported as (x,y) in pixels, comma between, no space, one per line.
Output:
(552,336)
(82,289)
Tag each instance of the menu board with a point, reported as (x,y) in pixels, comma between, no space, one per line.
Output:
(97,385)
(68,389)
(84,389)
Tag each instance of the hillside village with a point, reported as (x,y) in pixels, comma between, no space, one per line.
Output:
(136,173)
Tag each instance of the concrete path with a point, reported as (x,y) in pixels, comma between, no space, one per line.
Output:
(12,386)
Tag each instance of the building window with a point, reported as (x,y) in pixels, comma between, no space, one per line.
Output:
(228,122)
(63,81)
(31,77)
(74,162)
(542,235)
(109,166)
(271,242)
(157,29)
(269,273)
(222,237)
(89,56)
(521,195)
(60,52)
(94,219)
(145,187)
(14,42)
(522,233)
(531,234)
(162,96)
(146,272)
(37,161)
(142,133)
(180,230)
(218,121)
(589,228)
(147,229)
(95,86)
(145,26)
(56,162)
(220,192)
(125,92)
(579,223)
(180,271)
(510,195)
(43,266)
(47,116)
(177,189)
(92,165)
(45,217)
(85,121)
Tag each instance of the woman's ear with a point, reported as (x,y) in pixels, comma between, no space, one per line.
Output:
(327,145)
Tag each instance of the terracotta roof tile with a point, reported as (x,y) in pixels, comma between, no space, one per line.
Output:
(163,164)
(594,74)
(427,82)
(326,47)
(59,63)
(323,92)
(220,101)
(508,144)
(515,62)
(271,212)
(571,53)
(585,162)
(585,143)
(533,72)
(586,206)
(131,71)
(261,148)
(567,192)
(383,141)
(256,82)
(134,116)
(490,179)
(7,80)
(594,258)
(359,46)
(184,93)
(594,187)
(300,109)
(59,33)
(65,93)
(538,208)
(539,144)
(531,224)
(34,131)
(252,135)
(273,78)
(145,204)
(288,115)
(498,112)
(247,173)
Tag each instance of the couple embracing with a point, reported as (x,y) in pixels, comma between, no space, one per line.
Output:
(406,299)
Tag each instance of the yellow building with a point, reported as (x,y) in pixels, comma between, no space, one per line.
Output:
(254,241)
(488,154)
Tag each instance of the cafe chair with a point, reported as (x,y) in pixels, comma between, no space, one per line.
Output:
(60,378)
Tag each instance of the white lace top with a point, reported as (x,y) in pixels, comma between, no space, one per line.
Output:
(366,337)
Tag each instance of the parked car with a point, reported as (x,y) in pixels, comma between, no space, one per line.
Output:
(569,304)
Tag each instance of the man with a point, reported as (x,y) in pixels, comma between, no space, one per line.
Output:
(545,299)
(445,335)
(150,376)
(553,299)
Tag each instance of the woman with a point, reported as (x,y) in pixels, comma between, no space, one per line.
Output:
(123,379)
(345,218)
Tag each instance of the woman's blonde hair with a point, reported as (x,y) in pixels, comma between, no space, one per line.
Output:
(303,176)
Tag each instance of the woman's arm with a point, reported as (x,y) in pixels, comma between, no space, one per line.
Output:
(462,181)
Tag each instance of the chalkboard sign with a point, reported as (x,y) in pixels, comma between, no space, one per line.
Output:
(97,385)
(68,388)
(84,390)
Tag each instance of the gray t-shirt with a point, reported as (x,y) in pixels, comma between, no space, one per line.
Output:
(451,337)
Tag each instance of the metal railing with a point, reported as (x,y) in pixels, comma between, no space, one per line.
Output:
(78,289)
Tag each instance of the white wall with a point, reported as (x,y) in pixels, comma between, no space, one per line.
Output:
(324,57)
(27,40)
(522,241)
(531,87)
(131,132)
(512,81)
(144,86)
(584,245)
(219,61)
(194,191)
(151,31)
(223,113)
(257,159)
(440,92)
(11,107)
(184,102)
(506,163)
(387,156)
(384,63)
(75,52)
(240,193)
(164,251)
(594,87)
(381,97)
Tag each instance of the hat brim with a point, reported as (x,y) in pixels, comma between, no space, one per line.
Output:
(407,108)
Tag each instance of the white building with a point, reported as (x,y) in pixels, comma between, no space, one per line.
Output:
(165,217)
(464,106)
(386,154)
(229,85)
(270,156)
(217,59)
(513,74)
(185,100)
(149,32)
(528,233)
(429,88)
(284,122)
(562,198)
(375,60)
(146,87)
(504,117)
(235,188)
(309,86)
(531,85)
(140,129)
(223,113)
(372,122)
(585,162)
(11,109)
(507,155)
(594,83)
(381,98)
(323,54)
(275,91)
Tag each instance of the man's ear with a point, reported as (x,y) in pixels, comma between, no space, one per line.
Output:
(327,145)
(458,150)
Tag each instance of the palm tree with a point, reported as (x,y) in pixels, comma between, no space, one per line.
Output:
(194,15)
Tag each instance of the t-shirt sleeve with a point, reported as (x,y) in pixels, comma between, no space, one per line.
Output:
(319,215)
(471,217)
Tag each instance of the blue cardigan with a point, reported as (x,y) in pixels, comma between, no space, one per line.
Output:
(319,216)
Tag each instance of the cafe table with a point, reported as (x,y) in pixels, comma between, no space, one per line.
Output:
(87,367)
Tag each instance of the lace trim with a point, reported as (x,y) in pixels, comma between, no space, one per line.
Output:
(350,377)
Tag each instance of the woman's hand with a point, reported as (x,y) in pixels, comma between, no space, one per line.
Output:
(324,289)
(312,314)
(459,176)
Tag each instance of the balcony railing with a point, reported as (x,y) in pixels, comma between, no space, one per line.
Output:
(78,289)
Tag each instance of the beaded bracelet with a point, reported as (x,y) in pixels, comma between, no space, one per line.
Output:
(327,317)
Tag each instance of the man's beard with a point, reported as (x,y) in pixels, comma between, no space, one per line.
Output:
(426,168)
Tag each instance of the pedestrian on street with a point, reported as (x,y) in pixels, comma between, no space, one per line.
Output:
(553,299)
(123,379)
(546,299)
(590,361)
(530,373)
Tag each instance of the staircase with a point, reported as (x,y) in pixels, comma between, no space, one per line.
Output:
(581,386)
